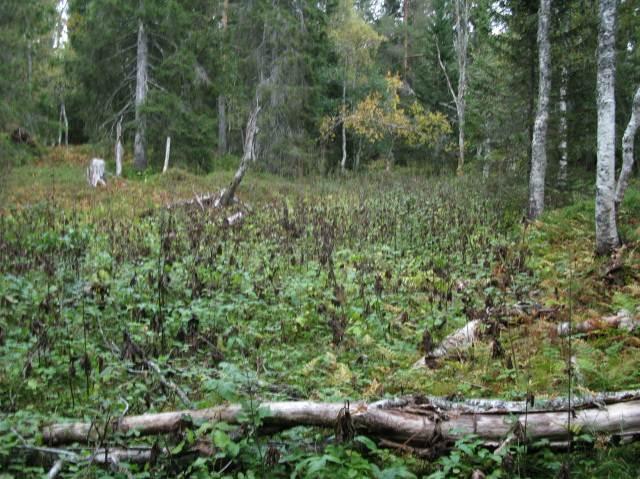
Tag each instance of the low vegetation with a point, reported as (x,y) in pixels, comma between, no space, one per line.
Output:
(324,291)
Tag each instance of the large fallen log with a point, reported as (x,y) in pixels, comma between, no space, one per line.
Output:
(416,420)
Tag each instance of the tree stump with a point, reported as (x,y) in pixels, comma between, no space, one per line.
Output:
(96,172)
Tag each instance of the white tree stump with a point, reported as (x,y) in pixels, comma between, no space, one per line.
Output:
(96,172)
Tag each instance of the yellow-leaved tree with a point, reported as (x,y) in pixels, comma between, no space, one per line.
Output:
(380,117)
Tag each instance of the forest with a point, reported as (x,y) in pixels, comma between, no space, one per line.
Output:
(319,239)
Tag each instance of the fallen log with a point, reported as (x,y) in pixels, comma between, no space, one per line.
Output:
(623,320)
(417,421)
(456,343)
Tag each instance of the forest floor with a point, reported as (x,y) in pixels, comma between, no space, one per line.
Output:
(323,291)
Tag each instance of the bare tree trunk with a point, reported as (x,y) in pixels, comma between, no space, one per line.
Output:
(343,163)
(96,172)
(627,149)
(248,155)
(119,148)
(222,125)
(564,159)
(462,13)
(413,421)
(539,143)
(167,152)
(405,58)
(142,87)
(463,9)
(222,101)
(606,230)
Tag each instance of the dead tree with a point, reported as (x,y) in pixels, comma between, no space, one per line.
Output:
(627,149)
(248,156)
(417,421)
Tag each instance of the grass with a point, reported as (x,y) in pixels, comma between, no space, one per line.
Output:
(323,292)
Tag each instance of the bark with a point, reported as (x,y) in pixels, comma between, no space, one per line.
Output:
(606,229)
(222,101)
(463,8)
(167,152)
(623,320)
(627,149)
(63,125)
(456,343)
(119,148)
(142,87)
(222,125)
(418,420)
(539,143)
(343,163)
(248,155)
(462,13)
(564,158)
(405,20)
(96,172)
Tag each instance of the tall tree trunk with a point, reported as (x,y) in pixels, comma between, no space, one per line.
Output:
(463,9)
(606,230)
(248,155)
(119,148)
(564,158)
(167,152)
(142,87)
(222,101)
(343,163)
(539,143)
(627,149)
(405,43)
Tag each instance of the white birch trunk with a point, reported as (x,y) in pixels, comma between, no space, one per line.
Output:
(564,158)
(606,230)
(418,421)
(142,87)
(167,152)
(119,148)
(539,143)
(627,149)
(96,172)
(63,125)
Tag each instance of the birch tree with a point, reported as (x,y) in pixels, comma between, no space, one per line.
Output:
(539,143)
(606,230)
(564,157)
(462,10)
(627,149)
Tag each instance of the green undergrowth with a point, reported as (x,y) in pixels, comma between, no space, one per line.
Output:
(324,291)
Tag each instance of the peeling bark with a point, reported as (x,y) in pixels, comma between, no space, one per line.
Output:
(606,229)
(418,420)
(539,142)
(627,149)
